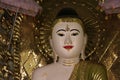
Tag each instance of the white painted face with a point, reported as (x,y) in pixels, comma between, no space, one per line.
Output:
(67,39)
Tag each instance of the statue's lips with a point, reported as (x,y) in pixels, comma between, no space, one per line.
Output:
(68,47)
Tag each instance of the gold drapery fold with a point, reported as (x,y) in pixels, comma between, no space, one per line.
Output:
(89,71)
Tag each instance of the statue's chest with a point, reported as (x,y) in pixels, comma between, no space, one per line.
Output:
(59,74)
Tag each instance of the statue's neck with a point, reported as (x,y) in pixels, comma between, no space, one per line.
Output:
(68,62)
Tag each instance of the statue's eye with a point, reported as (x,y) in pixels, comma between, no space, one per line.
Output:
(60,34)
(74,34)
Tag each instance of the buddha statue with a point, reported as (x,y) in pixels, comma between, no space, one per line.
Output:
(68,41)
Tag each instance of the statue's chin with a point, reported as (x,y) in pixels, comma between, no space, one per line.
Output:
(68,55)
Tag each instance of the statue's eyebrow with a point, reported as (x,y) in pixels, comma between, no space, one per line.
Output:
(61,30)
(75,30)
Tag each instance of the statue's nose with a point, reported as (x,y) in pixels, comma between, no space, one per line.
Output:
(68,39)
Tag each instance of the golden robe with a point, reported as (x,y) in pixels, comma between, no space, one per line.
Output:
(85,70)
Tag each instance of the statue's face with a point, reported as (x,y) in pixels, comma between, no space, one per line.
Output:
(67,39)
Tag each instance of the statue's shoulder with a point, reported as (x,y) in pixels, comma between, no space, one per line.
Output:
(42,72)
(92,67)
(44,68)
(86,68)
(91,64)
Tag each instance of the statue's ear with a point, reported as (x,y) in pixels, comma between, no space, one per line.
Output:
(83,48)
(85,39)
(50,41)
(54,53)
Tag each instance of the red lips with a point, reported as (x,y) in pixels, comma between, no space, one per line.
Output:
(68,47)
